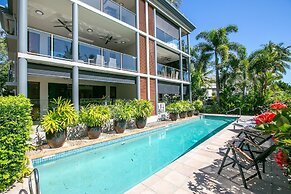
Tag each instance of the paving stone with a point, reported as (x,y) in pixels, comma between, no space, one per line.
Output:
(175,178)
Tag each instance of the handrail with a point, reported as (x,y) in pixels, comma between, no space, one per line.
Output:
(36,181)
(237,108)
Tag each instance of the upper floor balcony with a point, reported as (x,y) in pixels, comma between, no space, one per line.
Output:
(54,46)
(171,34)
(116,9)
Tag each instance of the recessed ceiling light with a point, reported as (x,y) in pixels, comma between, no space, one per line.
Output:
(39,12)
(123,42)
(89,30)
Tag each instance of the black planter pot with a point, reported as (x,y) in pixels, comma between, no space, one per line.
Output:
(56,140)
(119,126)
(141,122)
(183,115)
(190,113)
(94,132)
(174,116)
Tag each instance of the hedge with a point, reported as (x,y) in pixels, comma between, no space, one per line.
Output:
(15,126)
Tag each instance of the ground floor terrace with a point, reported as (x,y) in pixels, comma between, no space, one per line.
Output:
(193,172)
(48,82)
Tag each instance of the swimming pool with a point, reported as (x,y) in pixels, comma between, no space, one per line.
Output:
(116,166)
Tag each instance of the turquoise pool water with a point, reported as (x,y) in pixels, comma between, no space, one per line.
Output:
(117,167)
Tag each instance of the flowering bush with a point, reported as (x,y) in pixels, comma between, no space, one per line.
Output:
(278,106)
(278,123)
(266,117)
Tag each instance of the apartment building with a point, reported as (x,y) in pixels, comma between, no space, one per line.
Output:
(88,50)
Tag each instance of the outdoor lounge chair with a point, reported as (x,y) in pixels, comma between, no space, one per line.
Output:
(244,160)
(256,136)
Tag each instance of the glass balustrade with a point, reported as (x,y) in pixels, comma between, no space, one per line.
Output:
(186,76)
(111,8)
(62,48)
(168,39)
(114,9)
(112,59)
(94,3)
(168,72)
(129,62)
(127,16)
(185,46)
(40,43)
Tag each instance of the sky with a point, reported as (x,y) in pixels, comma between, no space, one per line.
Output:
(258,21)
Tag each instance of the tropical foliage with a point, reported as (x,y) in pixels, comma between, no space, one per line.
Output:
(248,82)
(94,116)
(15,126)
(60,117)
(122,111)
(141,108)
(277,122)
(4,65)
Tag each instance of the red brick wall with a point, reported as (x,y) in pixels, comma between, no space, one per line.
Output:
(142,15)
(151,20)
(142,54)
(143,88)
(153,94)
(152,57)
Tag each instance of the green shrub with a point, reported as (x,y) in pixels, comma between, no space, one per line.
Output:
(141,108)
(198,104)
(174,108)
(122,110)
(60,117)
(15,126)
(94,116)
(185,106)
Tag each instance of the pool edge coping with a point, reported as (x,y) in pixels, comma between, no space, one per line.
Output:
(34,161)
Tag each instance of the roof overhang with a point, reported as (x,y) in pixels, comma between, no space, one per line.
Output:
(177,15)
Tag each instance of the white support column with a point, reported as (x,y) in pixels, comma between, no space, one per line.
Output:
(43,84)
(75,56)
(148,51)
(22,46)
(189,68)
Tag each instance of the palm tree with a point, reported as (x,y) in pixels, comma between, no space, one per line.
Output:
(272,58)
(199,72)
(217,44)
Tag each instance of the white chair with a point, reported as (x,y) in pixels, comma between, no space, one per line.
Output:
(99,60)
(112,63)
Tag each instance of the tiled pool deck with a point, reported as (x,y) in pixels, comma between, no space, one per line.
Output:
(195,172)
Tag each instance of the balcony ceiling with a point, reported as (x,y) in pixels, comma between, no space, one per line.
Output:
(165,56)
(123,37)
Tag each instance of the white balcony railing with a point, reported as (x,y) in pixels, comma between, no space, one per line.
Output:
(168,72)
(114,9)
(50,45)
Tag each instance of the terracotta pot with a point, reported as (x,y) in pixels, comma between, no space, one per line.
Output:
(56,140)
(141,122)
(119,126)
(190,113)
(196,112)
(183,115)
(174,116)
(94,132)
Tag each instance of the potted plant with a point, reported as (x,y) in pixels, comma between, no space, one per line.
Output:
(121,112)
(190,109)
(94,117)
(183,109)
(142,110)
(173,109)
(57,120)
(198,104)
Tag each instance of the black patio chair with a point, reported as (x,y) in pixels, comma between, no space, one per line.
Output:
(246,161)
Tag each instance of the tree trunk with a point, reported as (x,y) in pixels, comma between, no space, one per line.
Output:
(217,78)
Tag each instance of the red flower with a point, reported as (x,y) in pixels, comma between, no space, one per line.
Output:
(281,158)
(266,117)
(278,106)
